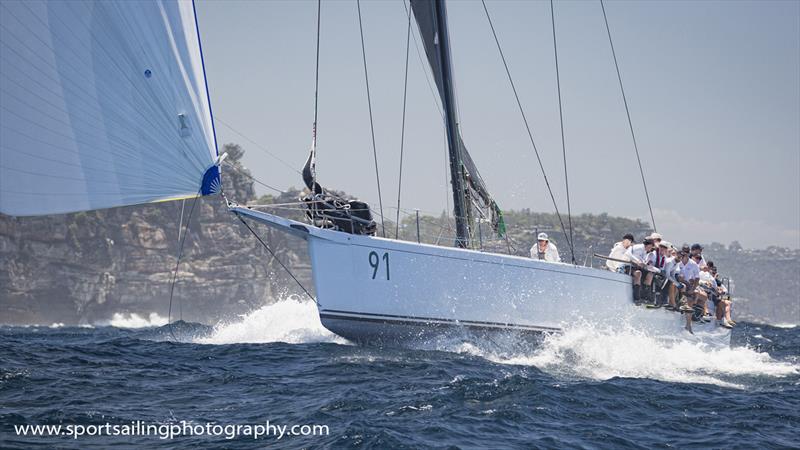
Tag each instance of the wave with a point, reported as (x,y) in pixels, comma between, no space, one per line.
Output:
(288,320)
(587,352)
(134,320)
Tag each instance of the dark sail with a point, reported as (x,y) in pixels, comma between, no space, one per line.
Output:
(467,181)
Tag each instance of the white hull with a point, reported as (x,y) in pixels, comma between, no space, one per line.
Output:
(375,289)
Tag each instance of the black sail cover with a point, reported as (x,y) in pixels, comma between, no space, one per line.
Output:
(424,13)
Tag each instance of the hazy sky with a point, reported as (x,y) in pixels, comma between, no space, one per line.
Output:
(713,89)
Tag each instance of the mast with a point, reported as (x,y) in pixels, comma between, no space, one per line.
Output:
(469,190)
(451,124)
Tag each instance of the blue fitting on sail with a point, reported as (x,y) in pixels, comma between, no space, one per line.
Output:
(212,184)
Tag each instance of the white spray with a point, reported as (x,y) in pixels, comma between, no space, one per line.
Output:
(287,320)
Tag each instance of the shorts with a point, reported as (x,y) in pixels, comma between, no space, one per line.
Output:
(630,269)
(715,297)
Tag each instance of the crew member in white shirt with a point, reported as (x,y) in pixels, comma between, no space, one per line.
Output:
(709,285)
(618,252)
(689,276)
(545,250)
(637,254)
(697,249)
(701,296)
(689,272)
(669,272)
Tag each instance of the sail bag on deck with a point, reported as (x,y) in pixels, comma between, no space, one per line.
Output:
(102,104)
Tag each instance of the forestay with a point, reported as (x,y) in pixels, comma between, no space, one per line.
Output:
(102,104)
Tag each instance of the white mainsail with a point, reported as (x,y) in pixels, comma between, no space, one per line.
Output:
(102,104)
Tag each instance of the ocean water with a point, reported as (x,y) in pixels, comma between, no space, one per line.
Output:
(585,388)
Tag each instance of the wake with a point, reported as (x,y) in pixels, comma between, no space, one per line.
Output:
(585,352)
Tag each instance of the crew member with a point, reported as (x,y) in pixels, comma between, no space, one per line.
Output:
(658,258)
(618,252)
(688,279)
(545,250)
(697,250)
(656,238)
(669,272)
(637,254)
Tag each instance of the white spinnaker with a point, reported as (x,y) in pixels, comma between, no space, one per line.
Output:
(102,104)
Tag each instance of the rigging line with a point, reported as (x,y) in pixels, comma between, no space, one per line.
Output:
(177,264)
(371,124)
(276,258)
(316,102)
(524,119)
(403,128)
(316,71)
(447,179)
(180,225)
(561,119)
(260,147)
(628,113)
(252,178)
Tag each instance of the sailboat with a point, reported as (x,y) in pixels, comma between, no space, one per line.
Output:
(106,104)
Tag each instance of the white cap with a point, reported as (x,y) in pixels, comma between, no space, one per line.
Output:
(655,236)
(665,244)
(542,237)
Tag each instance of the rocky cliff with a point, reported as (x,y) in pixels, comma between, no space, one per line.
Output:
(85,267)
